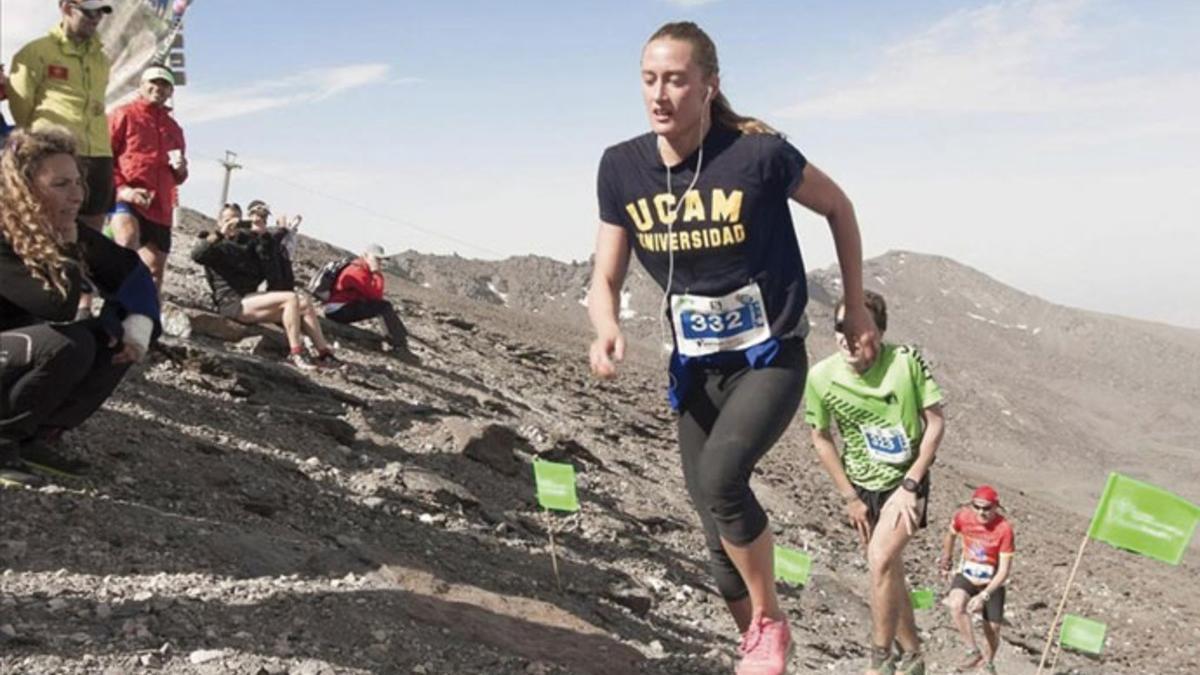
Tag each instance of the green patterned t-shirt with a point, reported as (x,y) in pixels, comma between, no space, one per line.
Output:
(878,413)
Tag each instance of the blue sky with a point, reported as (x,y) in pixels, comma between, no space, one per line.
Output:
(1050,144)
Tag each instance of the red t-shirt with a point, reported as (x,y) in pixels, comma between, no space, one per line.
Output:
(983,544)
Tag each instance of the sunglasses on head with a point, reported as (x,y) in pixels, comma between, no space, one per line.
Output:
(92,14)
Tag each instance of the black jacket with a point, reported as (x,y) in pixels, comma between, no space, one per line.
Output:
(232,265)
(116,272)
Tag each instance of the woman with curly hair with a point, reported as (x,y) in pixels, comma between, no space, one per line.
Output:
(55,372)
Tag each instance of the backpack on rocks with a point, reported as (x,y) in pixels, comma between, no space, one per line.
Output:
(321,284)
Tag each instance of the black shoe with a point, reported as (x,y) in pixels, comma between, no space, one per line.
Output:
(328,360)
(44,458)
(14,473)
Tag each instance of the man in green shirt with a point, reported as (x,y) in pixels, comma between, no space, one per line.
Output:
(889,416)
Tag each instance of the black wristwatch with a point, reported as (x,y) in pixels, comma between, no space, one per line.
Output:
(910,485)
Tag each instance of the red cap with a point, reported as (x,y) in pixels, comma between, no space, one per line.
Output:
(986,493)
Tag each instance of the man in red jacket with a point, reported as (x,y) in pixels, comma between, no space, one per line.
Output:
(357,295)
(148,146)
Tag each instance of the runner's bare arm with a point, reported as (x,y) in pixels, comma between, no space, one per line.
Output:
(818,193)
(947,558)
(1002,572)
(608,275)
(828,454)
(935,427)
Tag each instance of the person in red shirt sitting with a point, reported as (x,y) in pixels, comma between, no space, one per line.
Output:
(148,146)
(987,553)
(357,295)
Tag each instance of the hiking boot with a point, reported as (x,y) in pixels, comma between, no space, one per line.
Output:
(766,647)
(44,458)
(300,361)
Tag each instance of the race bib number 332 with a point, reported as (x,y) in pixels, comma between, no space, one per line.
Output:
(707,325)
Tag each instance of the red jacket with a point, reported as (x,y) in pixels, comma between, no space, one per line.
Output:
(142,134)
(356,283)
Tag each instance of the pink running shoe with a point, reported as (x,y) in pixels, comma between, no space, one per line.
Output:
(766,647)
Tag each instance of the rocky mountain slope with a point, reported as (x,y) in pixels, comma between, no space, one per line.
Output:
(242,517)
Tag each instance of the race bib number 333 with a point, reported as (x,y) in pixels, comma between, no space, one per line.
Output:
(707,325)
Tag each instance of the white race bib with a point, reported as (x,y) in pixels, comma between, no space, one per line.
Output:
(888,445)
(978,572)
(705,325)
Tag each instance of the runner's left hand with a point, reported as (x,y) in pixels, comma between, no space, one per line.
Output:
(907,509)
(975,604)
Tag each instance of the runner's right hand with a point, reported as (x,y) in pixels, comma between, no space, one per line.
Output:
(856,510)
(606,351)
(945,565)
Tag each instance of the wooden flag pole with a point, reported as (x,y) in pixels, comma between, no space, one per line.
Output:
(1057,653)
(553,549)
(1062,605)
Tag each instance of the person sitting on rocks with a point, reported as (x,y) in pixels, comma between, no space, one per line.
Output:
(55,372)
(236,268)
(357,295)
(275,244)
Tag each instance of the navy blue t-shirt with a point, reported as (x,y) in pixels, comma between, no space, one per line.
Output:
(733,228)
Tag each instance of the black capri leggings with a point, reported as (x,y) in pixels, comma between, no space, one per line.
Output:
(52,376)
(729,420)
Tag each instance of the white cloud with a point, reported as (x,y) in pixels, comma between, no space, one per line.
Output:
(690,3)
(198,105)
(1010,57)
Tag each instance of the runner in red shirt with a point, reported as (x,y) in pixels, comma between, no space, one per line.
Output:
(150,164)
(987,552)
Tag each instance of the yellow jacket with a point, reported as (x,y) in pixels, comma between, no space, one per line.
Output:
(57,81)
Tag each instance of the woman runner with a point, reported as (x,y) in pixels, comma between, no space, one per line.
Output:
(702,199)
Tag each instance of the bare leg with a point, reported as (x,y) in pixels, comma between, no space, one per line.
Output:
(312,324)
(276,307)
(156,261)
(958,612)
(889,594)
(756,563)
(126,230)
(991,631)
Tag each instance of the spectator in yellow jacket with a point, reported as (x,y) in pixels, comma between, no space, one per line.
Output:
(60,79)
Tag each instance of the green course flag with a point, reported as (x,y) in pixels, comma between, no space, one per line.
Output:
(555,485)
(922,598)
(1082,634)
(1144,519)
(792,566)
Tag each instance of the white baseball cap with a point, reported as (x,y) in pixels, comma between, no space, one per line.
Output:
(158,73)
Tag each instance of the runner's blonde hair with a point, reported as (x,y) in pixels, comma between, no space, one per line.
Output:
(24,222)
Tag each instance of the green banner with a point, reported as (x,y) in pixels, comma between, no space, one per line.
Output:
(555,485)
(1082,634)
(1144,519)
(792,566)
(922,598)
